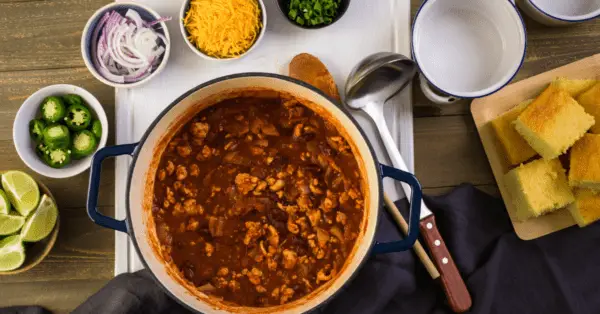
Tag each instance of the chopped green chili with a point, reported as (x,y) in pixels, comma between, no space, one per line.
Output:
(41,149)
(57,136)
(84,144)
(53,109)
(97,129)
(36,130)
(57,158)
(313,12)
(78,117)
(72,99)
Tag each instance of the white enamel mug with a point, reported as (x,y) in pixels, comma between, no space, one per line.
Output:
(560,12)
(467,48)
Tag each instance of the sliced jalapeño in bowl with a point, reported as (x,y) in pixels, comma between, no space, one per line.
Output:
(57,136)
(65,130)
(36,130)
(72,99)
(97,129)
(57,158)
(78,117)
(53,109)
(84,144)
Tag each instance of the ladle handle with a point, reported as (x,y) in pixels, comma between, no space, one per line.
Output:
(389,143)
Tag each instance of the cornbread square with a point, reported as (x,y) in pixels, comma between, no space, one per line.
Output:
(586,208)
(573,87)
(538,187)
(516,148)
(553,122)
(585,163)
(590,101)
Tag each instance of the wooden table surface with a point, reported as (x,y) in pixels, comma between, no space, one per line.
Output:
(39,46)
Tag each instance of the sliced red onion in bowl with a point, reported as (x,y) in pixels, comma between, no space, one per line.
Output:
(126,49)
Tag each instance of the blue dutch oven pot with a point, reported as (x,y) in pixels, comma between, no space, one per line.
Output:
(139,223)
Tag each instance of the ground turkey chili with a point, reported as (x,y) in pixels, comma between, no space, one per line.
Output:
(257,201)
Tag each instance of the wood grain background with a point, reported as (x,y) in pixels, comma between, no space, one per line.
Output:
(39,46)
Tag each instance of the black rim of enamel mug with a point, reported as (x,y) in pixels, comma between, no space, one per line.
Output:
(414,56)
(133,150)
(559,18)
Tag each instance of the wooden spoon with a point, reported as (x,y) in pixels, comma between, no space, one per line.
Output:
(311,70)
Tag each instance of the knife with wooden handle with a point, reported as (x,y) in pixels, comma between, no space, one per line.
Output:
(454,286)
(456,291)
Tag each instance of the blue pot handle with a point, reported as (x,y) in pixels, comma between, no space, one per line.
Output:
(415,212)
(92,201)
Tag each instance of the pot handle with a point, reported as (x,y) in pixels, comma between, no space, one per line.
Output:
(95,170)
(415,212)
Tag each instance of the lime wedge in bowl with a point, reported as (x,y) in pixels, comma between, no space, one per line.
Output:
(41,222)
(22,191)
(12,253)
(4,203)
(10,224)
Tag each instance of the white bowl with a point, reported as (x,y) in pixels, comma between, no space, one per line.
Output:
(183,11)
(30,110)
(147,14)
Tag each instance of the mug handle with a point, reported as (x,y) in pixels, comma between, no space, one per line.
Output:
(95,170)
(415,212)
(434,96)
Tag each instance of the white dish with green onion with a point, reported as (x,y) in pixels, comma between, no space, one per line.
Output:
(57,130)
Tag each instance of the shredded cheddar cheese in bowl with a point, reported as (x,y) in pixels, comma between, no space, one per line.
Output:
(223,29)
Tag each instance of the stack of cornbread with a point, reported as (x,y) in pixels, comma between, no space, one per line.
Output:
(535,133)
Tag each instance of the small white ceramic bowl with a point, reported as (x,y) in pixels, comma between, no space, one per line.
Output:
(147,14)
(184,8)
(30,110)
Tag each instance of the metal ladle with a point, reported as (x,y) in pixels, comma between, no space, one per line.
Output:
(375,80)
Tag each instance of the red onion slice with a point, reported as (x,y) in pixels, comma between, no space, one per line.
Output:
(126,49)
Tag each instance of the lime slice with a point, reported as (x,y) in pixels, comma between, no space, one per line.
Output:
(41,223)
(12,253)
(22,191)
(4,203)
(10,224)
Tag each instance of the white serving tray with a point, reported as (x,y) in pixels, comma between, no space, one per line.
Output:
(368,26)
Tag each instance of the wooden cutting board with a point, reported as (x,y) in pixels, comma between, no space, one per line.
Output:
(488,108)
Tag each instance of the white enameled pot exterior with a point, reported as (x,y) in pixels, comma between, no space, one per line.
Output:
(139,218)
(560,12)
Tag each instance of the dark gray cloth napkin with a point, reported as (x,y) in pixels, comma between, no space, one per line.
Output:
(559,273)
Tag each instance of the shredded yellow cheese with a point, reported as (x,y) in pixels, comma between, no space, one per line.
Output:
(223,28)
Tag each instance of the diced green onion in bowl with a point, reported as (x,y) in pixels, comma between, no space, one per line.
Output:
(314,13)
